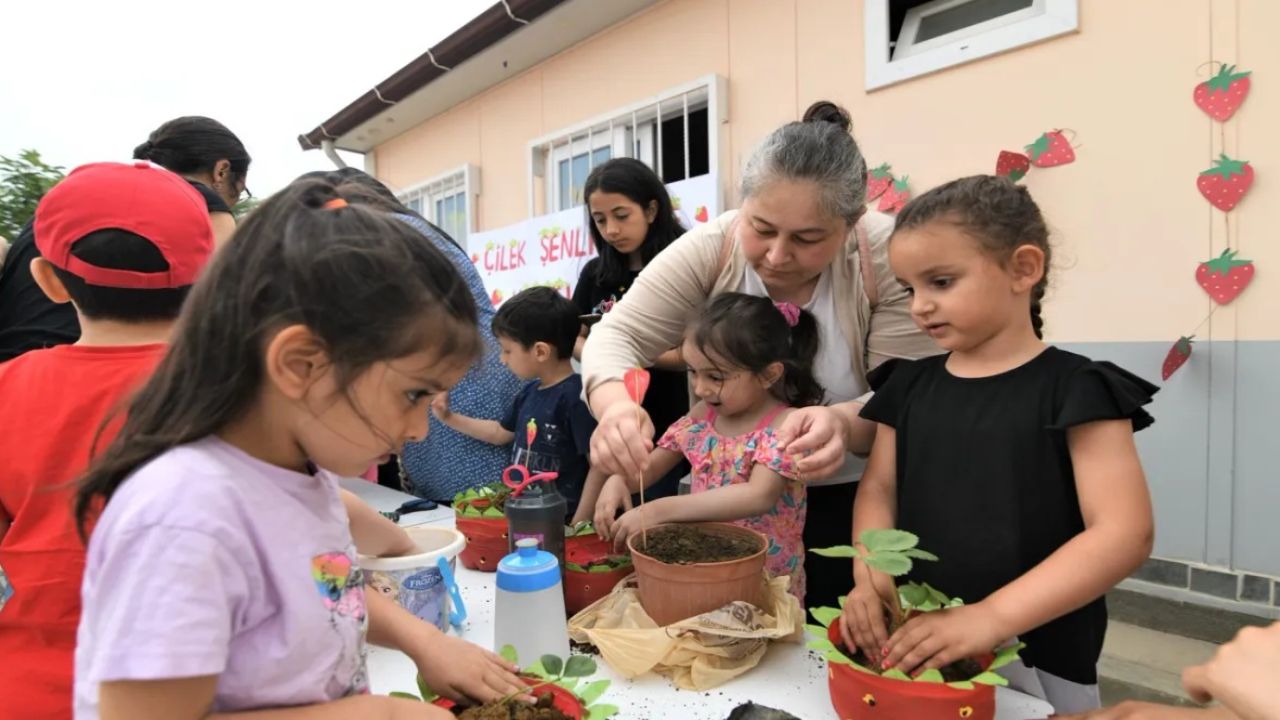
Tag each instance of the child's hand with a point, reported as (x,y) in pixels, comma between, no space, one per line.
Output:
(933,640)
(862,622)
(1241,674)
(631,522)
(614,495)
(440,407)
(463,671)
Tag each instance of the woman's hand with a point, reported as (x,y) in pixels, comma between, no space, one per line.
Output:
(863,624)
(815,435)
(933,640)
(463,671)
(1241,675)
(623,439)
(615,495)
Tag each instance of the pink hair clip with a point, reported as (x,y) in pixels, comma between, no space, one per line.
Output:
(790,311)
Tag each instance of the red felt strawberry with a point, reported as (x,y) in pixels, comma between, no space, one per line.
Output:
(1224,184)
(895,197)
(636,381)
(475,259)
(1176,357)
(878,180)
(701,216)
(1225,277)
(496,298)
(1051,149)
(1221,95)
(1013,165)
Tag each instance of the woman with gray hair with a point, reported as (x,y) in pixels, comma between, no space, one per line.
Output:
(803,236)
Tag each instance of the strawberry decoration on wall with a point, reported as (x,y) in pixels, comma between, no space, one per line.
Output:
(1221,95)
(1013,165)
(893,199)
(1225,184)
(878,180)
(1176,357)
(1051,149)
(1225,277)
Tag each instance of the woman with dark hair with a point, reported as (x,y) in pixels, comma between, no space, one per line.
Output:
(199,149)
(631,220)
(446,461)
(210,157)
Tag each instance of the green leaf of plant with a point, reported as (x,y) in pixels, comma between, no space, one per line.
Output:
(889,563)
(930,676)
(839,551)
(427,693)
(404,695)
(601,712)
(919,554)
(579,666)
(592,691)
(989,678)
(825,615)
(882,539)
(913,595)
(895,674)
(551,664)
(961,685)
(508,653)
(537,670)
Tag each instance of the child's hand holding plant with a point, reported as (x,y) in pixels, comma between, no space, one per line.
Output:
(931,641)
(615,495)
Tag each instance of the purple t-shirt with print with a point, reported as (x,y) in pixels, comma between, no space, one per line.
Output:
(208,561)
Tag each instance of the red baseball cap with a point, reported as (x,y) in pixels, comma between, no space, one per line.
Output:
(140,198)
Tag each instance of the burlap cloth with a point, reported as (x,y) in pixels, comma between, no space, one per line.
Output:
(697,654)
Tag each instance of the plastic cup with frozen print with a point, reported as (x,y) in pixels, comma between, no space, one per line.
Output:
(416,581)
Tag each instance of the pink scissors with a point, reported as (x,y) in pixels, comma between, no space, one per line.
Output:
(517,478)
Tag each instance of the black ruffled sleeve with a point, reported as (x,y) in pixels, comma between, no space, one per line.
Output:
(1100,390)
(891,383)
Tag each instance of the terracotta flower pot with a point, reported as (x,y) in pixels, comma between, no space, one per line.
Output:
(562,700)
(856,695)
(583,588)
(486,542)
(670,593)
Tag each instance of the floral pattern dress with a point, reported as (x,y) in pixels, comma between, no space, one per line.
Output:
(719,460)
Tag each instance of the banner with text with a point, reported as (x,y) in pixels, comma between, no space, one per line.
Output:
(552,249)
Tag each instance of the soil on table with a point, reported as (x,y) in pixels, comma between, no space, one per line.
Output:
(513,710)
(688,544)
(577,648)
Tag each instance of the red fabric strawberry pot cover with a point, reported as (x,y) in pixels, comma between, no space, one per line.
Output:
(858,695)
(583,588)
(486,542)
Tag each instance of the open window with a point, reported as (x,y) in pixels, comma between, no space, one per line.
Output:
(446,200)
(907,38)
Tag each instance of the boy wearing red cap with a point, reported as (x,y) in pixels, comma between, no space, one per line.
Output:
(123,243)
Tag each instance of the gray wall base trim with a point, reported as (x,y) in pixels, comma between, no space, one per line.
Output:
(1180,595)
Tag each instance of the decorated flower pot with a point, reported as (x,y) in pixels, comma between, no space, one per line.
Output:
(480,518)
(561,699)
(674,591)
(591,570)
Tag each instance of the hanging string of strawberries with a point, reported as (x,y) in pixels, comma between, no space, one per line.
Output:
(1224,185)
(892,191)
(1049,150)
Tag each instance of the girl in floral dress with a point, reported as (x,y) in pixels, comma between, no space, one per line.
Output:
(750,362)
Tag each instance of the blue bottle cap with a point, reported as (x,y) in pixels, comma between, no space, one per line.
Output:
(528,569)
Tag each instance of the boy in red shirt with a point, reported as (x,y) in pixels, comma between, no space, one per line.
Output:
(123,243)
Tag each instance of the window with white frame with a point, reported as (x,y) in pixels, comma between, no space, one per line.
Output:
(908,38)
(446,201)
(674,133)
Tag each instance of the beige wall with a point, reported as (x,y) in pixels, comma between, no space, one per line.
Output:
(1128,220)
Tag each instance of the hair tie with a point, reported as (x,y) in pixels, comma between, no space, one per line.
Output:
(790,312)
(334,204)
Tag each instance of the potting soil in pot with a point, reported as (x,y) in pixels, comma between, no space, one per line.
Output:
(688,544)
(513,710)
(957,671)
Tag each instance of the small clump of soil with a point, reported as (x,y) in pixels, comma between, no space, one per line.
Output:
(513,710)
(689,544)
(577,648)
(955,672)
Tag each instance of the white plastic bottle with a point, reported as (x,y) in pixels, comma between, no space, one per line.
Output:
(529,611)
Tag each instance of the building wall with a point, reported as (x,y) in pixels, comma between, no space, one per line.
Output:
(1128,223)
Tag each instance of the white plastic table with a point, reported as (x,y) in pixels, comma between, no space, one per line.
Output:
(789,677)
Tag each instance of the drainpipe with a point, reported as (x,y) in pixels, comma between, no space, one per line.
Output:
(332,153)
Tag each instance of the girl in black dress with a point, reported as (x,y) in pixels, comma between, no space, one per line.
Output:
(1013,460)
(631,220)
